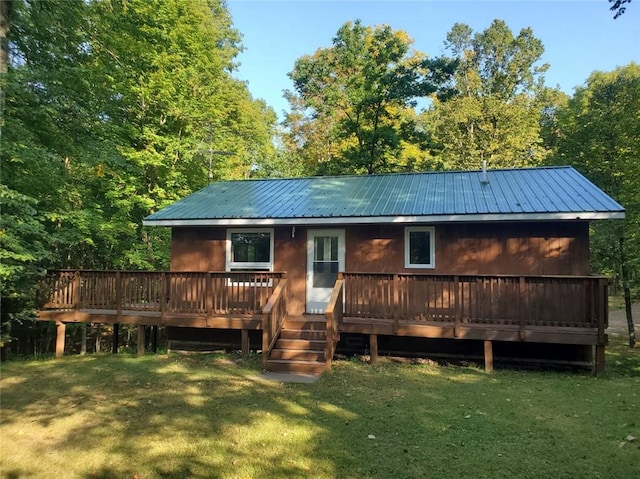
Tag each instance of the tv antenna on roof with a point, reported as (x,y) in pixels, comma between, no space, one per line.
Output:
(212,152)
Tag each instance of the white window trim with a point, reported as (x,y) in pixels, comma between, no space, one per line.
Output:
(247,265)
(432,247)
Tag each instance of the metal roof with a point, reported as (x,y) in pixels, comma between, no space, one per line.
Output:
(509,194)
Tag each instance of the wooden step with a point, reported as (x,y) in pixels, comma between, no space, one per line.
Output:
(297,354)
(288,366)
(308,344)
(305,323)
(300,347)
(303,334)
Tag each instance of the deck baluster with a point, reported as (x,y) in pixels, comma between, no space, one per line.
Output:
(457,306)
(397,311)
(522,309)
(118,295)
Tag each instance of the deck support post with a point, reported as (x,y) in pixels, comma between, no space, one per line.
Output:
(598,365)
(60,330)
(141,335)
(154,339)
(488,356)
(83,339)
(245,343)
(116,335)
(98,335)
(373,346)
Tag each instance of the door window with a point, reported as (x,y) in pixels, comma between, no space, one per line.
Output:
(325,262)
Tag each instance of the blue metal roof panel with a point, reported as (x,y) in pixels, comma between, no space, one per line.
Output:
(457,193)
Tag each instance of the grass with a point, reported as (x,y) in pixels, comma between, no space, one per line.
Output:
(211,416)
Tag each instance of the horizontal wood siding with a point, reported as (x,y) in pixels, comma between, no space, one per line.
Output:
(376,249)
(477,248)
(290,251)
(518,248)
(204,249)
(198,249)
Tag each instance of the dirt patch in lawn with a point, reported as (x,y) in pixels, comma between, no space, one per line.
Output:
(618,321)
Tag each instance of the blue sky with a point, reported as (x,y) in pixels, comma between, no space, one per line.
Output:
(579,36)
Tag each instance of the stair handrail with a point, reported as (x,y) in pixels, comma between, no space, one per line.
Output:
(333,315)
(273,316)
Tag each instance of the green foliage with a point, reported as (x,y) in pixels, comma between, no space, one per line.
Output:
(284,164)
(493,108)
(353,103)
(23,241)
(599,134)
(110,108)
(23,254)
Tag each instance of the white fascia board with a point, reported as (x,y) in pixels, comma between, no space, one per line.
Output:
(571,216)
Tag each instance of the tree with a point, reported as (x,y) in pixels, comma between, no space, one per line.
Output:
(169,64)
(493,107)
(23,252)
(599,134)
(353,102)
(109,107)
(618,7)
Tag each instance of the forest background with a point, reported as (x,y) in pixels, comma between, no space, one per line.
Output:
(114,109)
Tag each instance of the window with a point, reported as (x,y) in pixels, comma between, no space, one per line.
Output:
(419,247)
(250,249)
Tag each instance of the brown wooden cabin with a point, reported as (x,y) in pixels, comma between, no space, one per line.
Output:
(299,267)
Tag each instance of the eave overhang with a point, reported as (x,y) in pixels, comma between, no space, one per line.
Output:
(338,220)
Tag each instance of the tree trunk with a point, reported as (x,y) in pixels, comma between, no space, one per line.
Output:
(627,308)
(627,294)
(5,351)
(6,6)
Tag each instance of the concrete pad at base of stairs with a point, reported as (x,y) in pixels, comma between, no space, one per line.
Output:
(289,377)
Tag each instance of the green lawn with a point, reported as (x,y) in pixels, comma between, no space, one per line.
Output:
(212,416)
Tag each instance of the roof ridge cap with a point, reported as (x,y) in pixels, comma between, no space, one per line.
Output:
(398,173)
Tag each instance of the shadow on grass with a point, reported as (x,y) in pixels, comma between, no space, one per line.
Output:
(153,417)
(212,416)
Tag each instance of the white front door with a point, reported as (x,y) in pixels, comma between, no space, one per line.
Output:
(325,258)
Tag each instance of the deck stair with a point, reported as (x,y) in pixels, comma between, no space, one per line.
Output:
(301,346)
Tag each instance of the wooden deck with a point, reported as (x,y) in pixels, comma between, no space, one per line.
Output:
(154,318)
(562,309)
(539,309)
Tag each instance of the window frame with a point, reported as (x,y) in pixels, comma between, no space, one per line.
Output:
(407,247)
(248,266)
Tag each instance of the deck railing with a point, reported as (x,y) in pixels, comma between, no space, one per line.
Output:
(333,315)
(273,316)
(210,293)
(561,301)
(555,301)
